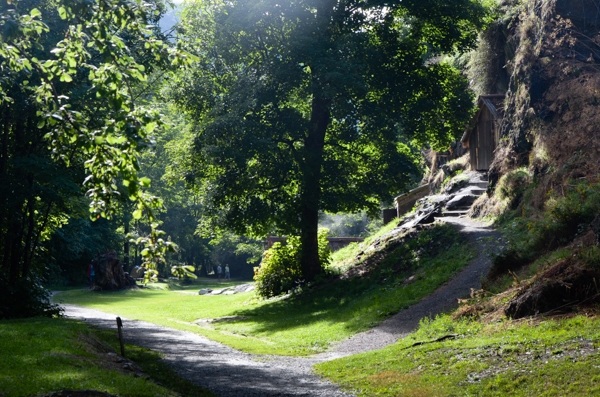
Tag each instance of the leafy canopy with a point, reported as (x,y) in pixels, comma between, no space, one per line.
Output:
(108,48)
(318,105)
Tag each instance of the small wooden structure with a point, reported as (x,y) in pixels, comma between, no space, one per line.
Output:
(407,201)
(483,133)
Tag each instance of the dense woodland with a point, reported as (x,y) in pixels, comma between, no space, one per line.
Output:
(182,149)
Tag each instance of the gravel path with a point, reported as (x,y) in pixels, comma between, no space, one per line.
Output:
(225,371)
(231,373)
(442,300)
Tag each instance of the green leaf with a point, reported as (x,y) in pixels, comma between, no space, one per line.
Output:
(150,126)
(145,181)
(62,12)
(137,214)
(35,13)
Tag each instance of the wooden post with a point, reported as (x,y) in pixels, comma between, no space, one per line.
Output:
(119,325)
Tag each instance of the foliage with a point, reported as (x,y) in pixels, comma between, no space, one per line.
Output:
(320,111)
(72,71)
(165,165)
(349,225)
(512,185)
(70,249)
(562,220)
(532,238)
(25,298)
(280,269)
(488,67)
(183,271)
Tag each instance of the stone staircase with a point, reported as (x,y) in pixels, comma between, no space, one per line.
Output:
(454,202)
(464,194)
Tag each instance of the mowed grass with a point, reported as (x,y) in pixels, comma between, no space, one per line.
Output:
(195,285)
(41,355)
(526,358)
(301,324)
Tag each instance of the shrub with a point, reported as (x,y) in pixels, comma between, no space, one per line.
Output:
(25,298)
(280,270)
(563,219)
(512,186)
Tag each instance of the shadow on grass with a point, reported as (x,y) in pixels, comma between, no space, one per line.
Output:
(361,303)
(335,310)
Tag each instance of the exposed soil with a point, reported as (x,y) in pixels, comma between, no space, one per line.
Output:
(566,283)
(229,372)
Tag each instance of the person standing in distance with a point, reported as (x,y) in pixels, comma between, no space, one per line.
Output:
(227,276)
(91,275)
(219,271)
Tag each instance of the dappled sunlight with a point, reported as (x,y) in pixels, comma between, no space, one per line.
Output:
(300,324)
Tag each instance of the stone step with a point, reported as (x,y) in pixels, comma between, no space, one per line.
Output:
(461,208)
(464,200)
(454,213)
(479,191)
(482,185)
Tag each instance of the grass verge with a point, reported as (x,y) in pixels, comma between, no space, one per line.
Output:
(41,355)
(306,323)
(553,357)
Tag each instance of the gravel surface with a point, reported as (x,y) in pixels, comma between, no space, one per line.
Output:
(225,371)
(231,373)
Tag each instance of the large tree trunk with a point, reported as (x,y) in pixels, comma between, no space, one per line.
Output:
(4,244)
(311,189)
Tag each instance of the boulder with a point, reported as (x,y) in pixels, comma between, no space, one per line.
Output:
(244,288)
(204,291)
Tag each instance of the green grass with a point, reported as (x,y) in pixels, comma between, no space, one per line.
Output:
(195,285)
(343,259)
(551,358)
(41,355)
(302,324)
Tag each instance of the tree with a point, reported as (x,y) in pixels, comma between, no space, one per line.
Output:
(68,117)
(313,105)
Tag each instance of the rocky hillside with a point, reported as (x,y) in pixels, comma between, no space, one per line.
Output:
(544,181)
(551,54)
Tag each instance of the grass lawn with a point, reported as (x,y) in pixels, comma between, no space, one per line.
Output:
(195,285)
(302,324)
(41,355)
(526,358)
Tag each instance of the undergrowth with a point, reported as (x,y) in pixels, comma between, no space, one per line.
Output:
(532,234)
